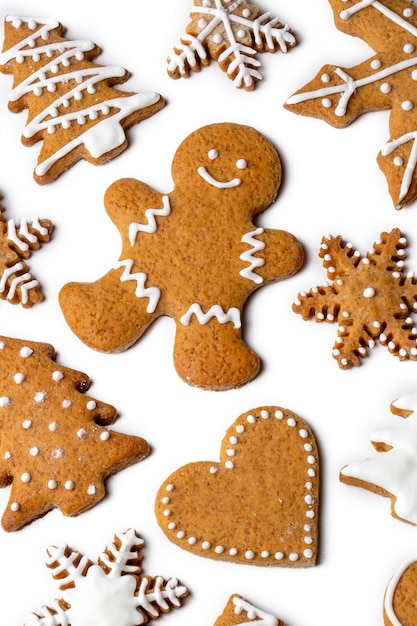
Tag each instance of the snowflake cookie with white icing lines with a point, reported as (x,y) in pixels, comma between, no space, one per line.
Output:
(72,103)
(231,33)
(111,592)
(384,81)
(371,298)
(17,241)
(267,478)
(239,610)
(194,255)
(392,472)
(55,448)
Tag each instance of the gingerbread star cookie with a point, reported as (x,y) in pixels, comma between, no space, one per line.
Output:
(400,608)
(110,591)
(55,447)
(267,478)
(392,473)
(72,104)
(238,610)
(17,241)
(230,33)
(193,254)
(384,81)
(370,297)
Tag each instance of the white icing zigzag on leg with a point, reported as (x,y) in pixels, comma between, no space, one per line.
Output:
(153,293)
(232,315)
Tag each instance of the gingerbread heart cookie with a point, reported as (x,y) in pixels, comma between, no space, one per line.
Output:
(259,504)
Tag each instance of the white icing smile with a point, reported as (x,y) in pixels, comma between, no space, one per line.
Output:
(235,182)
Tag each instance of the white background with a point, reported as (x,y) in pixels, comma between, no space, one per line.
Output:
(331,184)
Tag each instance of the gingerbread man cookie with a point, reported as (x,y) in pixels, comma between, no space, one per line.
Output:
(193,254)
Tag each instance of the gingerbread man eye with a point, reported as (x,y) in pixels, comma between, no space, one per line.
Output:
(241,164)
(212,154)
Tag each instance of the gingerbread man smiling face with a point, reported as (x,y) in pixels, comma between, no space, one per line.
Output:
(193,254)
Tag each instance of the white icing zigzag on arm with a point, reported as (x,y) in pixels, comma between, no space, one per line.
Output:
(151,226)
(232,315)
(249,257)
(153,293)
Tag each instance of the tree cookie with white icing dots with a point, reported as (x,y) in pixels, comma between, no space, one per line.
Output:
(267,479)
(194,254)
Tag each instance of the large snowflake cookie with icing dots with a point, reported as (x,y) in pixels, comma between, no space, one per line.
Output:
(230,32)
(17,242)
(193,254)
(385,81)
(238,610)
(111,591)
(267,478)
(72,103)
(400,608)
(371,298)
(55,447)
(392,473)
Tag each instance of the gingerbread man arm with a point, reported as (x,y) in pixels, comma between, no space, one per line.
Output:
(282,256)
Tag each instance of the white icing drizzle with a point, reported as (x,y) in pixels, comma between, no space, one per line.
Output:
(249,257)
(215,311)
(153,293)
(108,134)
(390,590)
(208,178)
(151,226)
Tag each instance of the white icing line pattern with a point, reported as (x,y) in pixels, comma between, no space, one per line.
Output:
(226,25)
(249,256)
(254,614)
(309,499)
(215,311)
(153,293)
(151,226)
(107,134)
(111,591)
(405,64)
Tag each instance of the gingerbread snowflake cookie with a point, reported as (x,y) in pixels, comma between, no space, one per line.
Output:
(400,607)
(111,591)
(55,447)
(238,610)
(392,473)
(385,81)
(370,297)
(230,33)
(17,241)
(193,254)
(72,103)
(267,478)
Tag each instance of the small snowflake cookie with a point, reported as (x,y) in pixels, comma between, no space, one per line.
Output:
(371,298)
(17,242)
(230,33)
(55,447)
(400,607)
(111,591)
(385,81)
(238,610)
(73,105)
(267,478)
(393,472)
(193,254)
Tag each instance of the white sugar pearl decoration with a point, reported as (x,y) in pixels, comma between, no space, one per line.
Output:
(40,396)
(25,477)
(15,506)
(34,451)
(385,88)
(4,402)
(105,436)
(25,352)
(19,378)
(192,541)
(91,490)
(52,427)
(219,549)
(369,292)
(69,485)
(52,484)
(57,375)
(407,105)
(91,405)
(212,154)
(206,545)
(26,424)
(249,554)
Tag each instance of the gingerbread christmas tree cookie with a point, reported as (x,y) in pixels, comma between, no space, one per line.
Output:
(384,81)
(194,254)
(17,242)
(111,591)
(230,33)
(55,447)
(371,298)
(267,478)
(72,104)
(238,610)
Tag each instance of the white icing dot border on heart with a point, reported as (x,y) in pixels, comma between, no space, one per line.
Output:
(309,553)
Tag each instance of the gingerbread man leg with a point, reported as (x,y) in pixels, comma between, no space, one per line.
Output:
(209,351)
(95,323)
